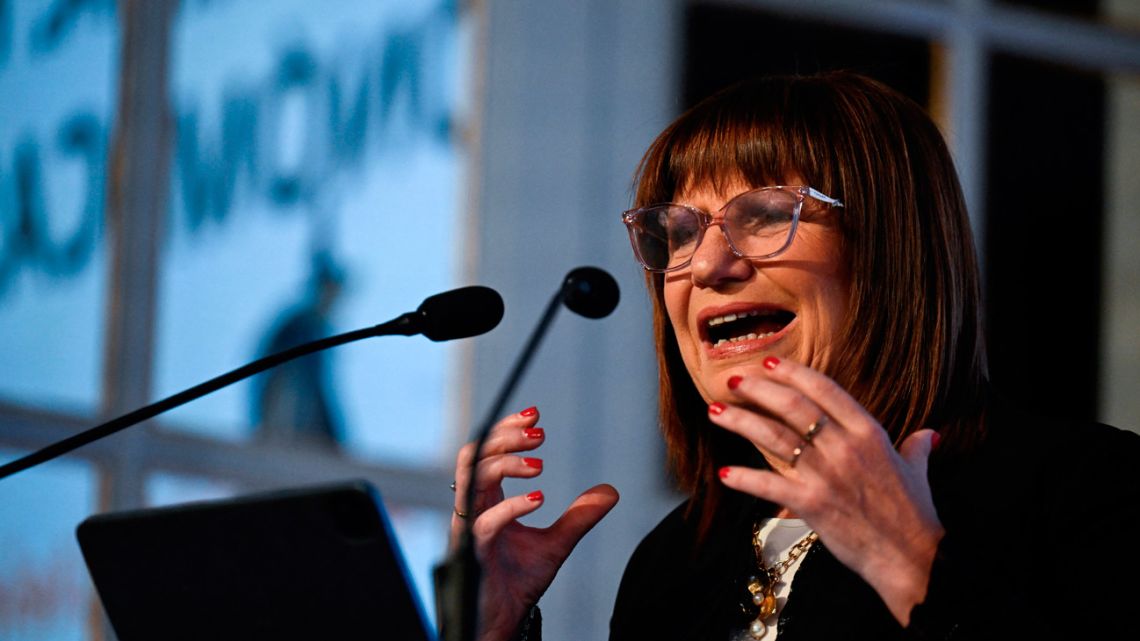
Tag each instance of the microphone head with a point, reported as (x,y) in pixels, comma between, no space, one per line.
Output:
(590,292)
(460,313)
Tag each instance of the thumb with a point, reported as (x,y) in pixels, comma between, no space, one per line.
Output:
(583,514)
(916,449)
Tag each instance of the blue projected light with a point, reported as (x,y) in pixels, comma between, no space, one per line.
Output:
(44,590)
(314,190)
(58,79)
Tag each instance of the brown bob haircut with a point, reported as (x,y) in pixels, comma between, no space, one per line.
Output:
(913,351)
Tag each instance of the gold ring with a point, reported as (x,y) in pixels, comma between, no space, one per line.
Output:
(462,515)
(814,428)
(797,452)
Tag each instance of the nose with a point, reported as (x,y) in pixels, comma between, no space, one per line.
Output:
(714,262)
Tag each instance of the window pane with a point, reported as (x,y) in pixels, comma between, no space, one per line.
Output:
(45,593)
(753,42)
(1072,8)
(1120,340)
(313,191)
(164,488)
(1028,97)
(58,64)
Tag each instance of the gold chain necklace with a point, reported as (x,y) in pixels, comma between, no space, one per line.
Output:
(762,586)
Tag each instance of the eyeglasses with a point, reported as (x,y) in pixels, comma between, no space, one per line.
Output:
(758,224)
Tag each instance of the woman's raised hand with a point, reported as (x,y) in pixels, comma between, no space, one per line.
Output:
(518,562)
(869,504)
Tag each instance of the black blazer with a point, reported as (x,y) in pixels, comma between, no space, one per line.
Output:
(1043,542)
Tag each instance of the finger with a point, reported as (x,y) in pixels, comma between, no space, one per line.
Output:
(582,515)
(493,470)
(764,484)
(916,449)
(489,479)
(463,470)
(793,411)
(489,524)
(827,395)
(513,433)
(766,434)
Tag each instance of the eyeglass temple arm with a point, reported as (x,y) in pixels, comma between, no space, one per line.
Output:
(824,198)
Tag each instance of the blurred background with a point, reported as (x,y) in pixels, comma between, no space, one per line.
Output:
(188,185)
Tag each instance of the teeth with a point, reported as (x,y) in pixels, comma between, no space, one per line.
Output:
(728,318)
(747,337)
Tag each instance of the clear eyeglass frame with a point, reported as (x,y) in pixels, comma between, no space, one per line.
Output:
(632,220)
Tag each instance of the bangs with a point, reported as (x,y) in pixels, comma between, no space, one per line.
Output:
(755,133)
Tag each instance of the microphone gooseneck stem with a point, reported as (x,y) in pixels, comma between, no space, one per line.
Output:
(517,371)
(458,313)
(457,578)
(402,325)
(508,388)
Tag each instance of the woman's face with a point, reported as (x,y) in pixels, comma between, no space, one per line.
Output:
(791,306)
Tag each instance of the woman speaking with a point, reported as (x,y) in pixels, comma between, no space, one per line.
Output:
(824,402)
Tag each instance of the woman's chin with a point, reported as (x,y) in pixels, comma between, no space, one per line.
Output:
(741,358)
(716,386)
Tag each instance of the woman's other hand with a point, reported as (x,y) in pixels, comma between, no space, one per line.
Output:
(518,562)
(870,505)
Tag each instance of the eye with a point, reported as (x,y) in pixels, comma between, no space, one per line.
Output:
(761,213)
(683,229)
(653,225)
(760,218)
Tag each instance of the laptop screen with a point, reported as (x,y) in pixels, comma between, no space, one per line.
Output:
(312,563)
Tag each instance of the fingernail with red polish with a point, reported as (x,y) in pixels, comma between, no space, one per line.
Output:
(530,411)
(534,496)
(534,432)
(734,381)
(935,438)
(536,463)
(723,472)
(771,362)
(716,408)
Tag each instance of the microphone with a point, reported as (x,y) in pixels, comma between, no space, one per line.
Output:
(459,313)
(589,292)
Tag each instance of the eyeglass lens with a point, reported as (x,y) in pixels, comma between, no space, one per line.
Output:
(757,223)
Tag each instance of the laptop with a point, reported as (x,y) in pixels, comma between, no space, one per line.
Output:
(317,563)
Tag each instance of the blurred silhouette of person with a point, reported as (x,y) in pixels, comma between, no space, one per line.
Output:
(294,403)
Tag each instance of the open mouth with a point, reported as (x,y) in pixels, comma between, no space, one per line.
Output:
(746,325)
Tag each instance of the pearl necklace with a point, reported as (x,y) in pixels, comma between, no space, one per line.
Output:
(762,585)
